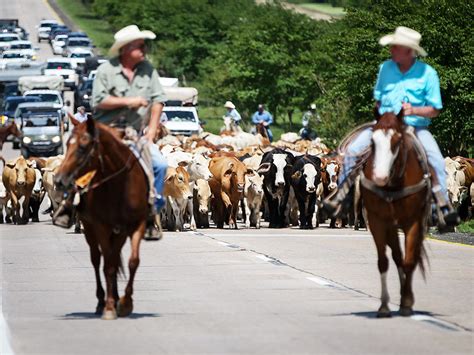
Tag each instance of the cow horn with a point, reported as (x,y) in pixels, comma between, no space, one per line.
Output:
(264,168)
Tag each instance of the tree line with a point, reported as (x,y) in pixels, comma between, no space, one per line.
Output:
(250,54)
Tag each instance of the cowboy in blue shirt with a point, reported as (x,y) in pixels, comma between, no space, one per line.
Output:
(409,84)
(261,115)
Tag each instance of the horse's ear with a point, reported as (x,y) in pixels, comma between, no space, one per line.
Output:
(401,114)
(91,126)
(376,113)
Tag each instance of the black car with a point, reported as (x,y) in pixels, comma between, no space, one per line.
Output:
(82,95)
(11,103)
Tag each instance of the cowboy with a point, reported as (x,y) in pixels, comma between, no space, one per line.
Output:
(403,82)
(263,116)
(127,91)
(308,120)
(232,112)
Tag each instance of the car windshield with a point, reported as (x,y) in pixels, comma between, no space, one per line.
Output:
(12,55)
(58,65)
(11,90)
(81,43)
(8,39)
(81,55)
(48,98)
(178,116)
(21,46)
(10,106)
(40,118)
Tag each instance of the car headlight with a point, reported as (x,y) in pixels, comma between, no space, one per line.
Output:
(26,140)
(33,57)
(4,119)
(85,97)
(56,139)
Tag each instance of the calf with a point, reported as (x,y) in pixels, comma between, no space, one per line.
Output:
(201,202)
(276,171)
(227,186)
(19,177)
(178,193)
(253,196)
(37,196)
(306,175)
(330,169)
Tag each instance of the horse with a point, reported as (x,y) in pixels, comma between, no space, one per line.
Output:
(113,206)
(262,129)
(230,127)
(395,187)
(8,130)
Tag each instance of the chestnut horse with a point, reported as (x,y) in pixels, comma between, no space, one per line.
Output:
(5,131)
(113,205)
(395,188)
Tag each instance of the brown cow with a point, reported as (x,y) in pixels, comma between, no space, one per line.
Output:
(178,193)
(227,186)
(8,130)
(19,178)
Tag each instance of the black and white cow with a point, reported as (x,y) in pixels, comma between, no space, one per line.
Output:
(305,178)
(276,169)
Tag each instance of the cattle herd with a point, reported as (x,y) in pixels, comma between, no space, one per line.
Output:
(225,178)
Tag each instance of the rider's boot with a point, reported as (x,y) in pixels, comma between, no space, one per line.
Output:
(339,203)
(63,216)
(447,215)
(153,224)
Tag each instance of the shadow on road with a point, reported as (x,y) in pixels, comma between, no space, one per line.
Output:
(91,315)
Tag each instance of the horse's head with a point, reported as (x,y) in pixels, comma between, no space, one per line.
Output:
(228,123)
(81,148)
(386,138)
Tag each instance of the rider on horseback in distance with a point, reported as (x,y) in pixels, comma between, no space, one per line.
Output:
(405,83)
(127,91)
(265,117)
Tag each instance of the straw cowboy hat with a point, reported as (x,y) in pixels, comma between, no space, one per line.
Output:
(229,104)
(126,35)
(406,37)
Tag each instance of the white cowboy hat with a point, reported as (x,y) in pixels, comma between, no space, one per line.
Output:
(229,104)
(312,106)
(406,37)
(126,35)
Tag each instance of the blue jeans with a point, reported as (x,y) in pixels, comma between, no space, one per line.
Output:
(435,158)
(160,165)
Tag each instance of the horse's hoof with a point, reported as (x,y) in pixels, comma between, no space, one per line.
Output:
(124,308)
(406,311)
(384,312)
(109,315)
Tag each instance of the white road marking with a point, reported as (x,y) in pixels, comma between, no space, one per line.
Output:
(435,321)
(263,257)
(321,281)
(5,347)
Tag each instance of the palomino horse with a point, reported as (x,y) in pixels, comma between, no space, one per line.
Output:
(395,189)
(113,205)
(7,130)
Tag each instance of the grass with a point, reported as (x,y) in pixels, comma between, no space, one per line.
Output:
(466,227)
(325,8)
(97,29)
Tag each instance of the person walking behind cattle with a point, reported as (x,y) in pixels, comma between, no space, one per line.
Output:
(127,91)
(262,116)
(403,83)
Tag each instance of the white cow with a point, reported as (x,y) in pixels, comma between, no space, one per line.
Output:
(201,202)
(49,171)
(253,196)
(456,180)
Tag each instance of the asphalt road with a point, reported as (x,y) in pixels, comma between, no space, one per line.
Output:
(227,292)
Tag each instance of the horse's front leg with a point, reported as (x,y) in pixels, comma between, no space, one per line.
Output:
(125,306)
(413,244)
(379,233)
(95,259)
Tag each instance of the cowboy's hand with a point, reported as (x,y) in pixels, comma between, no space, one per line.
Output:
(408,109)
(136,102)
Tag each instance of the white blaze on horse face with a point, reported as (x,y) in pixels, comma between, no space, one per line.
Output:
(384,157)
(333,171)
(279,160)
(310,173)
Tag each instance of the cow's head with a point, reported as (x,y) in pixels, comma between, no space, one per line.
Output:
(199,167)
(277,166)
(202,192)
(310,175)
(236,172)
(180,181)
(22,168)
(38,182)
(255,182)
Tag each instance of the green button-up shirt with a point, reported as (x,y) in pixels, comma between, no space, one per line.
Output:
(111,81)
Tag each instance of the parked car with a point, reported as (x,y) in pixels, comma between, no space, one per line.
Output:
(83,95)
(181,120)
(44,28)
(25,47)
(64,67)
(6,39)
(41,132)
